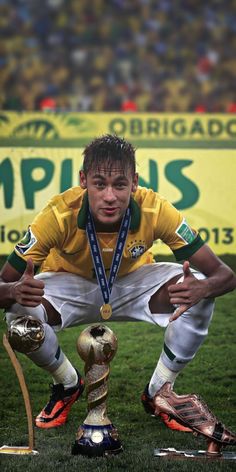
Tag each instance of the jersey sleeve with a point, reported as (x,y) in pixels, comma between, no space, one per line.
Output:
(44,233)
(173,229)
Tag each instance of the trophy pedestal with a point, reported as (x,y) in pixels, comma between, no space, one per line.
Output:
(172,453)
(213,452)
(95,441)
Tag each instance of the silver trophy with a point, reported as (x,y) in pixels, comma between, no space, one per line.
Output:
(97,436)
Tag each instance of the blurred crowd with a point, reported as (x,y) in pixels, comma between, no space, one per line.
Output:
(118,55)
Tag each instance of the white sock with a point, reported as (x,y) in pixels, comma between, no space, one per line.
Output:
(65,374)
(160,376)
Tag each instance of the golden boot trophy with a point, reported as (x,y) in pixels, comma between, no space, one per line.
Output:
(97,436)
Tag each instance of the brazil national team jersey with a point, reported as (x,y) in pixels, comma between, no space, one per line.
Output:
(57,240)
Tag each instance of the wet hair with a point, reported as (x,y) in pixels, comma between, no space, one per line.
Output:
(109,149)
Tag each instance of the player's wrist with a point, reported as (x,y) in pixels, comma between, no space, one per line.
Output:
(206,283)
(7,294)
(11,292)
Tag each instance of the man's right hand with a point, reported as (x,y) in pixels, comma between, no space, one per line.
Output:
(28,291)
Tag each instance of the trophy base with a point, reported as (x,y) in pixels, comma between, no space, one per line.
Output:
(172,453)
(17,450)
(96,441)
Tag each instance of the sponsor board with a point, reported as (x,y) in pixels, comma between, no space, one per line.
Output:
(46,154)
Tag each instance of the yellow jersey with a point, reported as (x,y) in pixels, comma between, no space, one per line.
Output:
(57,239)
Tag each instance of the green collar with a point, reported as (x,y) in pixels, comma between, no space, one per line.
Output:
(135,214)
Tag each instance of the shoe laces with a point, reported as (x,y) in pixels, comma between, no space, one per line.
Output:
(57,394)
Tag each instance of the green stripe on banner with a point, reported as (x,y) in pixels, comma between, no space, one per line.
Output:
(152,143)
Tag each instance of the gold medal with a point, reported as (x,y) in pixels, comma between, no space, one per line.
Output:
(106,311)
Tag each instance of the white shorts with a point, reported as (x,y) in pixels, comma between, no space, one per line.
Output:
(78,300)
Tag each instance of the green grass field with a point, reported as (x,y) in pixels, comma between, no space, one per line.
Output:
(211,374)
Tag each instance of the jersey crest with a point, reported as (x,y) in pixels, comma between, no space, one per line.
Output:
(137,248)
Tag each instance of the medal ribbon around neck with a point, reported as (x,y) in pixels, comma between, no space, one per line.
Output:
(106,285)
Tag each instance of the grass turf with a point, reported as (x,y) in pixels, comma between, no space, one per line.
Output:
(211,374)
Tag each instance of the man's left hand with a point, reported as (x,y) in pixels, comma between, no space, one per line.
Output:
(186,293)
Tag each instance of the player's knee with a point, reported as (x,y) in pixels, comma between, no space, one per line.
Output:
(16,310)
(26,334)
(201,313)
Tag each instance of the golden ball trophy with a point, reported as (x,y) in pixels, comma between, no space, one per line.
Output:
(97,436)
(25,334)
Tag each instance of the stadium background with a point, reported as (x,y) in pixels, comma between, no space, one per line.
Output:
(118,55)
(162,74)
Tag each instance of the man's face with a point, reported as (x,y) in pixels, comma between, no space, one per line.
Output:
(109,194)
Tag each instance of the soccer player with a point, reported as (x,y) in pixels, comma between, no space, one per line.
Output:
(92,246)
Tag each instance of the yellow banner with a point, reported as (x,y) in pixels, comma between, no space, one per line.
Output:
(199,182)
(159,127)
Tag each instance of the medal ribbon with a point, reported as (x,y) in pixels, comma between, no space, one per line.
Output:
(106,285)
